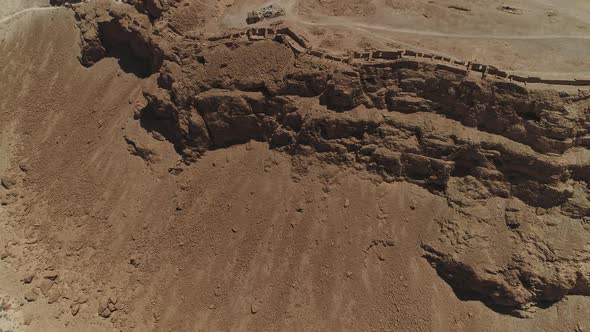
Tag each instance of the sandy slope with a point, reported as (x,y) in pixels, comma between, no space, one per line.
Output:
(10,7)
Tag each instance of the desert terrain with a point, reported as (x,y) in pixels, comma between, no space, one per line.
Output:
(380,165)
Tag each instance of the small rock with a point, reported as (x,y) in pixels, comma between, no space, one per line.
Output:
(119,306)
(134,261)
(31,295)
(254,308)
(31,240)
(234,230)
(5,306)
(53,296)
(24,166)
(346,203)
(28,319)
(349,274)
(45,286)
(413,204)
(158,137)
(52,275)
(74,308)
(106,313)
(112,307)
(512,222)
(28,279)
(212,306)
(8,182)
(81,298)
(103,304)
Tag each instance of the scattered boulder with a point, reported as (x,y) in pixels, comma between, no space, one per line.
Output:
(139,150)
(8,182)
(254,308)
(45,285)
(53,296)
(108,305)
(105,313)
(51,275)
(510,10)
(31,295)
(81,298)
(74,308)
(28,319)
(28,278)
(460,8)
(24,166)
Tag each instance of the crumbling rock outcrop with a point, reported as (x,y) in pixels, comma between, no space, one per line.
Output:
(510,161)
(119,31)
(153,8)
(233,119)
(63,2)
(539,119)
(344,92)
(448,134)
(303,83)
(511,268)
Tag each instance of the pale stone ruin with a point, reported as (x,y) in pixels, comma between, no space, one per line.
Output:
(299,44)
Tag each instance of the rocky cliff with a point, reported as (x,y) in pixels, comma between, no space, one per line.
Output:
(511,162)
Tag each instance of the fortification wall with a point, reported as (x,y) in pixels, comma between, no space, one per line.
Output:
(300,45)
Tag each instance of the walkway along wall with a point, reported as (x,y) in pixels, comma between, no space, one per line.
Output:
(300,45)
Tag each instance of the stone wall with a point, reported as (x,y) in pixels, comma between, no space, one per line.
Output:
(300,45)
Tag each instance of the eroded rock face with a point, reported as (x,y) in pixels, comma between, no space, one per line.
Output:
(344,92)
(459,146)
(119,31)
(511,162)
(153,8)
(538,119)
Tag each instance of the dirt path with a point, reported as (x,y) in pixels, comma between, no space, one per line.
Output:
(343,22)
(12,16)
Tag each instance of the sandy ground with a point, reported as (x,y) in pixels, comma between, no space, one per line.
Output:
(282,246)
(10,7)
